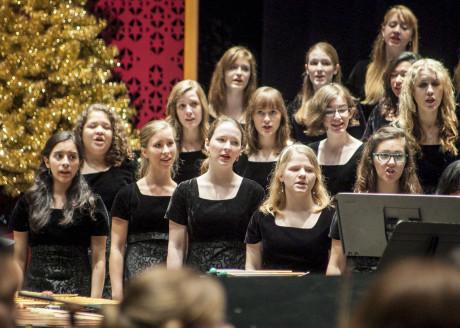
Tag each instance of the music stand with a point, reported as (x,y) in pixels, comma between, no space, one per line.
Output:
(366,221)
(421,239)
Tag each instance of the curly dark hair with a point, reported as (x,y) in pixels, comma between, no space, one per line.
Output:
(119,149)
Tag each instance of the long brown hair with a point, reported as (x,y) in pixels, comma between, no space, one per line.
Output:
(178,91)
(307,90)
(374,75)
(446,120)
(217,89)
(366,175)
(266,97)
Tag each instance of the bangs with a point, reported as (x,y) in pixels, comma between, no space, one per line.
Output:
(268,100)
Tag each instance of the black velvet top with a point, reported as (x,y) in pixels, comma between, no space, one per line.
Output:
(145,213)
(260,172)
(289,248)
(77,233)
(108,183)
(431,162)
(189,165)
(376,121)
(214,220)
(340,178)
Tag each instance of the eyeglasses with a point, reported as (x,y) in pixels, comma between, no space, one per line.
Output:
(330,112)
(386,157)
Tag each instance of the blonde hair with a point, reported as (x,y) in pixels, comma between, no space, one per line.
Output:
(307,90)
(217,122)
(373,86)
(147,132)
(315,109)
(266,97)
(177,92)
(217,88)
(119,149)
(158,297)
(446,120)
(276,200)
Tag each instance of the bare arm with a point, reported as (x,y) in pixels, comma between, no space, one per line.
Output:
(254,256)
(177,245)
(21,243)
(117,254)
(98,265)
(337,260)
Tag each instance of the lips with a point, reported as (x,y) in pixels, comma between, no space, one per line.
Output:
(166,160)
(225,157)
(395,39)
(430,101)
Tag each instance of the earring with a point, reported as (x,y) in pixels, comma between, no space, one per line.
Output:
(282,188)
(409,45)
(49,171)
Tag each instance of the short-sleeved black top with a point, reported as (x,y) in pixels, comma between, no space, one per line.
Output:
(145,213)
(108,183)
(189,165)
(431,162)
(289,248)
(340,178)
(214,220)
(77,233)
(259,172)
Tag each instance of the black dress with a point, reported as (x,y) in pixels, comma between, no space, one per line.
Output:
(259,172)
(431,162)
(216,228)
(108,183)
(59,253)
(340,178)
(289,248)
(298,130)
(357,79)
(375,122)
(147,239)
(189,165)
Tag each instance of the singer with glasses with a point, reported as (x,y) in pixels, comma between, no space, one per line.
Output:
(330,111)
(387,166)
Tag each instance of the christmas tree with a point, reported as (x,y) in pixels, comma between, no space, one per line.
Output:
(52,66)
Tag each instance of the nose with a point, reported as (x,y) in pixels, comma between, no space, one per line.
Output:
(429,90)
(391,161)
(188,109)
(165,149)
(399,79)
(238,70)
(266,117)
(302,172)
(336,114)
(227,144)
(65,161)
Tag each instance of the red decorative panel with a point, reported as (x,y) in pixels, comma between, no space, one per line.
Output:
(150,37)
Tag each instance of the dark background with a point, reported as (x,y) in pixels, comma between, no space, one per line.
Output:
(280,31)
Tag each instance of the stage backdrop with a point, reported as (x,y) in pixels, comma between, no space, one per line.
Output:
(150,39)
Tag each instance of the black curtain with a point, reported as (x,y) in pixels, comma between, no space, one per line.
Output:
(280,31)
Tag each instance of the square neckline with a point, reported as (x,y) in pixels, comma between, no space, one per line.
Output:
(197,190)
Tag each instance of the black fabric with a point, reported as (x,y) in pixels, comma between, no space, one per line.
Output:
(259,172)
(289,248)
(214,220)
(145,213)
(340,178)
(216,228)
(108,183)
(189,165)
(298,130)
(357,79)
(334,230)
(144,254)
(62,270)
(431,162)
(77,233)
(376,121)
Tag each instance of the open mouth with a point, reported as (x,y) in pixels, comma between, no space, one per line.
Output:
(337,126)
(390,171)
(225,157)
(395,39)
(430,101)
(267,127)
(166,160)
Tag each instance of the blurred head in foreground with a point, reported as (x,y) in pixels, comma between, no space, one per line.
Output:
(413,293)
(174,298)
